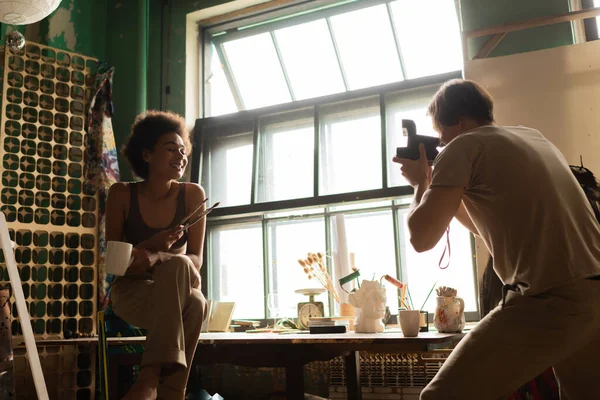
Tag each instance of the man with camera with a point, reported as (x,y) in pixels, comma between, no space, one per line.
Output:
(514,189)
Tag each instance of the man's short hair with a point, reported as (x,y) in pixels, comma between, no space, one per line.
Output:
(459,98)
(145,132)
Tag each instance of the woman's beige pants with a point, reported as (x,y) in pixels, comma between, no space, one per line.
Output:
(172,311)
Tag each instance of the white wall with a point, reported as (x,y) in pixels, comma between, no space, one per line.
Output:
(556,91)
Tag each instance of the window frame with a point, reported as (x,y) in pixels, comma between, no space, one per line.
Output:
(270,20)
(397,206)
(206,128)
(249,121)
(258,212)
(590,24)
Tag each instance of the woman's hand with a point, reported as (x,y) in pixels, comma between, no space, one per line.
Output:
(163,240)
(142,262)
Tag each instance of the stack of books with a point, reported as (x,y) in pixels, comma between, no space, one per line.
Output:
(240,325)
(328,325)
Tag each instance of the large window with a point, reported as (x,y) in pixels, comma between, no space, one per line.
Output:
(590,24)
(283,176)
(318,48)
(324,94)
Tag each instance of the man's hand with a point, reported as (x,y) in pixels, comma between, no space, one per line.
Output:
(163,240)
(416,172)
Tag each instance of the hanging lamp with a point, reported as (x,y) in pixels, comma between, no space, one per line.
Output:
(23,12)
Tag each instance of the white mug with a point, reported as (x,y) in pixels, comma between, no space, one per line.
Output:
(118,257)
(409,322)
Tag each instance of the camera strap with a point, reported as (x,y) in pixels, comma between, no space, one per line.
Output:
(446,250)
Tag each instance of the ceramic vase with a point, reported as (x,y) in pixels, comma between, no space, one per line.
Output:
(449,314)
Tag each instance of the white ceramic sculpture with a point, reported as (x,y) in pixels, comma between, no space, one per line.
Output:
(371,300)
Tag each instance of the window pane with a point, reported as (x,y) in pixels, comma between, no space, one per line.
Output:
(366,45)
(597,4)
(286,157)
(350,137)
(217,88)
(290,241)
(360,206)
(297,213)
(310,60)
(257,71)
(423,268)
(236,268)
(227,171)
(370,236)
(429,36)
(410,104)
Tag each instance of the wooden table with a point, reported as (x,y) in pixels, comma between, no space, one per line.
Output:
(293,351)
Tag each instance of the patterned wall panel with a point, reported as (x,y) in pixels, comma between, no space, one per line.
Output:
(69,372)
(52,218)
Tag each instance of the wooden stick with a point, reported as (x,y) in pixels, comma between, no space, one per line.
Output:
(403,304)
(489,46)
(245,12)
(15,282)
(404,294)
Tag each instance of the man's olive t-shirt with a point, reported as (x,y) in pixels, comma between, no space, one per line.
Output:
(526,205)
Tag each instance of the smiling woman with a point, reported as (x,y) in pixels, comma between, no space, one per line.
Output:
(161,135)
(161,288)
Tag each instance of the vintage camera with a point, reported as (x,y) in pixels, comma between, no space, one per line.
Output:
(411,151)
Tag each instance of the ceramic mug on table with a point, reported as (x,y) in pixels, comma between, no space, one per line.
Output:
(409,322)
(118,257)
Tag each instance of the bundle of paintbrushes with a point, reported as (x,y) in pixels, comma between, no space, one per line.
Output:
(446,291)
(405,302)
(314,267)
(404,294)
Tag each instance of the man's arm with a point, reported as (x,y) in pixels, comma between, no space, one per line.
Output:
(430,214)
(463,217)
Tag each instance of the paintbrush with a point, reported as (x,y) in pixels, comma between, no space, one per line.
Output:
(190,215)
(199,217)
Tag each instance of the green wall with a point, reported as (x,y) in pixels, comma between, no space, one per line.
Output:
(163,63)
(127,46)
(174,49)
(76,25)
(487,13)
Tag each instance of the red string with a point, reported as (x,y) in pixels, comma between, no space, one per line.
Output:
(446,249)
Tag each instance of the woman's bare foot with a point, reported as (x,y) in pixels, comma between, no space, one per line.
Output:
(145,385)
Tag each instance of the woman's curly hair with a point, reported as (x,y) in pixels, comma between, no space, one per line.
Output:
(147,128)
